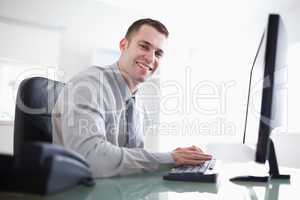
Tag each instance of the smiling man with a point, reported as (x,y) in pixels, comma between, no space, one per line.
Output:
(141,52)
(97,115)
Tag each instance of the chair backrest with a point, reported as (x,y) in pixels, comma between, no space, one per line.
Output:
(36,98)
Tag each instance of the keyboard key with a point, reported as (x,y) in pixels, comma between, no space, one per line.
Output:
(193,173)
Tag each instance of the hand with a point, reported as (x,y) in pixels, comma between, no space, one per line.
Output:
(189,156)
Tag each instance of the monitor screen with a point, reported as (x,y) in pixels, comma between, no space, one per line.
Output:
(266,105)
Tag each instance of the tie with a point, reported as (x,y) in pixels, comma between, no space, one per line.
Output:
(134,124)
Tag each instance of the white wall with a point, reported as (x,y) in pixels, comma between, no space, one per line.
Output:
(209,41)
(215,42)
(6,137)
(86,25)
(83,26)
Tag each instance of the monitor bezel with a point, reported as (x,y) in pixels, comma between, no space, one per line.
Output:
(268,88)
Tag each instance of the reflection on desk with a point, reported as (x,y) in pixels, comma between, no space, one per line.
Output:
(141,186)
(151,186)
(128,187)
(271,189)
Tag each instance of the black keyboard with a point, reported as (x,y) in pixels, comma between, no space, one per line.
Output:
(198,173)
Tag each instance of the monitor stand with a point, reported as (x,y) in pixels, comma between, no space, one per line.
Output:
(273,169)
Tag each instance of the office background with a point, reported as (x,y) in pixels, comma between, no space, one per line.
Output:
(211,49)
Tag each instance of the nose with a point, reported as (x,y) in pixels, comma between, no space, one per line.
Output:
(150,56)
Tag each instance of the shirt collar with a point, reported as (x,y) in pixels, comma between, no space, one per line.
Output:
(124,89)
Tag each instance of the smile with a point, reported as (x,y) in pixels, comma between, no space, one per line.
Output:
(144,66)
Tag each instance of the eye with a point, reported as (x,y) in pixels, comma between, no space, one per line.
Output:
(144,47)
(158,54)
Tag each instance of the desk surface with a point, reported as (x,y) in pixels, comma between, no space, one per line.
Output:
(151,186)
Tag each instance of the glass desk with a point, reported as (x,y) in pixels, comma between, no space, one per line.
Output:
(151,186)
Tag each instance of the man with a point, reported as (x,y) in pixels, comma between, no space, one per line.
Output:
(96,114)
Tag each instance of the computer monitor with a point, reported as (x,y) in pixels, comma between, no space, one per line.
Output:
(266,105)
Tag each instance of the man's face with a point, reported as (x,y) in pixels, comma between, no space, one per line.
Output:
(141,55)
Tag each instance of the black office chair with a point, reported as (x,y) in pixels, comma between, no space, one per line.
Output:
(36,98)
(38,166)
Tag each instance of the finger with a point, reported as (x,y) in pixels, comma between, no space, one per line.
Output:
(198,148)
(177,149)
(191,162)
(195,147)
(203,157)
(197,153)
(190,154)
(197,156)
(192,148)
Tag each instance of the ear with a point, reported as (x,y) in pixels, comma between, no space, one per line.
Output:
(122,44)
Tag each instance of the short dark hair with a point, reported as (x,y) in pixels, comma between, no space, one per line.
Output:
(135,27)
